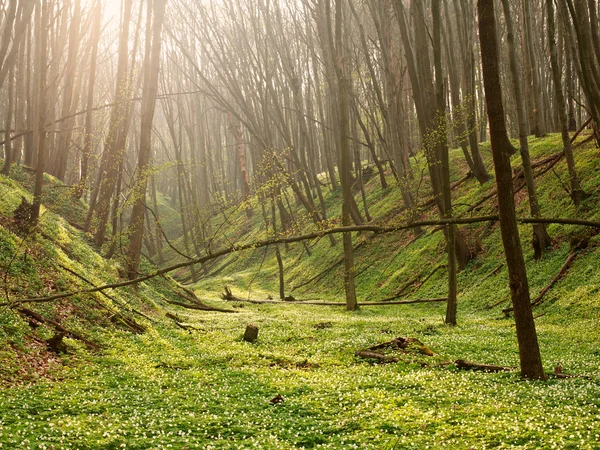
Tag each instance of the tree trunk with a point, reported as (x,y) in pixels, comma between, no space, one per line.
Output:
(8,154)
(577,194)
(541,239)
(444,160)
(344,154)
(87,143)
(40,126)
(529,352)
(152,65)
(539,129)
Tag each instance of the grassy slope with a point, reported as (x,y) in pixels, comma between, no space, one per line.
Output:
(206,388)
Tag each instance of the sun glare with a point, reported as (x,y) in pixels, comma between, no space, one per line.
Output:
(111,9)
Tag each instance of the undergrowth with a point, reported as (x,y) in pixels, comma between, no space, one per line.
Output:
(204,387)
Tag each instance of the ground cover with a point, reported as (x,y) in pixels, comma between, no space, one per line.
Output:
(209,389)
(204,387)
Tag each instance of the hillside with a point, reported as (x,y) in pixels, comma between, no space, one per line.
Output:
(134,378)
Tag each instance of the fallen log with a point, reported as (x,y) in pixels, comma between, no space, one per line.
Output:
(233,298)
(403,344)
(419,284)
(200,307)
(367,354)
(58,327)
(180,323)
(468,365)
(539,299)
(289,239)
(493,272)
(138,328)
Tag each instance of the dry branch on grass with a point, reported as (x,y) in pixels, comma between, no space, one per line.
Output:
(228,295)
(412,345)
(468,365)
(58,327)
(540,297)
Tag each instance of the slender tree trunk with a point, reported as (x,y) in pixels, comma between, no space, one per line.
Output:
(278,253)
(29,153)
(87,143)
(531,361)
(8,151)
(532,69)
(541,239)
(152,65)
(577,193)
(344,155)
(70,96)
(444,160)
(40,126)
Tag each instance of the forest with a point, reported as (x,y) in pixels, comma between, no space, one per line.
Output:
(294,224)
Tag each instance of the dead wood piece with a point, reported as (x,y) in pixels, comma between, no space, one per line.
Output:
(405,287)
(493,272)
(581,128)
(174,317)
(389,301)
(251,333)
(468,365)
(200,307)
(116,316)
(404,344)
(232,298)
(277,399)
(493,305)
(58,327)
(187,294)
(56,343)
(180,323)
(120,319)
(185,326)
(539,299)
(289,239)
(368,354)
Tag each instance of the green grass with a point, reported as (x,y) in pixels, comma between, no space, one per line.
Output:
(207,388)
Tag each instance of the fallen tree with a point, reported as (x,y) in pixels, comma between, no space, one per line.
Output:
(37,318)
(409,345)
(227,295)
(540,297)
(289,239)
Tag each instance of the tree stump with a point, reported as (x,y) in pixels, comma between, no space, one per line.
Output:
(251,333)
(56,344)
(22,216)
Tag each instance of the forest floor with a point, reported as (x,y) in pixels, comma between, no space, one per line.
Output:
(300,384)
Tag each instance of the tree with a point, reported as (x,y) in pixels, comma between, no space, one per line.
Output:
(39,135)
(529,352)
(577,193)
(541,239)
(344,154)
(155,17)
